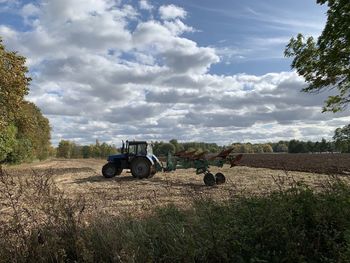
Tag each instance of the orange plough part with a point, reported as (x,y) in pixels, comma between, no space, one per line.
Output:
(235,161)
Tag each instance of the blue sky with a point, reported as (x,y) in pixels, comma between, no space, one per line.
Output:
(156,70)
(256,30)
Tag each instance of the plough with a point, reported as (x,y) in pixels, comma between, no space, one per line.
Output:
(201,162)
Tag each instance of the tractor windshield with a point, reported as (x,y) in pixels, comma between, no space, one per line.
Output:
(142,149)
(138,149)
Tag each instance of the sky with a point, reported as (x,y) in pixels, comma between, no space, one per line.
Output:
(194,70)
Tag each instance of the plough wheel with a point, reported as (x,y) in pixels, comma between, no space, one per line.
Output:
(209,179)
(220,178)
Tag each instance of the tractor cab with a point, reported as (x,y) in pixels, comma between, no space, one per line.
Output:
(137,148)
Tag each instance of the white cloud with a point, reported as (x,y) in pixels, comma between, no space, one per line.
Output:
(101,72)
(7,33)
(168,12)
(145,5)
(29,10)
(177,27)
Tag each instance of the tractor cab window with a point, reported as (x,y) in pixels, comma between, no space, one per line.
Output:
(132,149)
(142,149)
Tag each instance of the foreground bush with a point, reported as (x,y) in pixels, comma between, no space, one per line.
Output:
(294,225)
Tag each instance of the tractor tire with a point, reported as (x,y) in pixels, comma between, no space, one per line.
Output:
(110,170)
(209,179)
(141,168)
(220,178)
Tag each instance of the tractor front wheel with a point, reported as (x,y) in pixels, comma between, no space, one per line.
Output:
(141,168)
(110,170)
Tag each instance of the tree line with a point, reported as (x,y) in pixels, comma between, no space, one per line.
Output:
(24,131)
(340,143)
(68,149)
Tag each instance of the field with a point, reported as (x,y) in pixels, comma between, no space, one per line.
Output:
(126,195)
(314,163)
(65,210)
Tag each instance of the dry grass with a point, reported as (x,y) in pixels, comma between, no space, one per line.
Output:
(65,211)
(126,195)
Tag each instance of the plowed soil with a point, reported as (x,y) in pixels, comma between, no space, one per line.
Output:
(314,163)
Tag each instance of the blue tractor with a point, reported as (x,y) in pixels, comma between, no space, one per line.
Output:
(136,156)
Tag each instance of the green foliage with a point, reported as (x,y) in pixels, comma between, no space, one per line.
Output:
(342,139)
(166,147)
(7,141)
(64,149)
(254,148)
(162,148)
(34,128)
(21,151)
(25,132)
(325,63)
(13,85)
(68,149)
(296,146)
(293,225)
(281,146)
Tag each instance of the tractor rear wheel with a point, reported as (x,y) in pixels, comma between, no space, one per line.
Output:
(141,168)
(220,178)
(209,179)
(110,170)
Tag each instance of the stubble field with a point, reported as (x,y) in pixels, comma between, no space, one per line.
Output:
(82,179)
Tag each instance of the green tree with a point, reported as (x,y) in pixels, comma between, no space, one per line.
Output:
(76,151)
(165,148)
(64,149)
(317,147)
(323,145)
(310,146)
(267,148)
(296,146)
(86,152)
(35,128)
(257,148)
(7,141)
(342,138)
(281,146)
(325,63)
(13,87)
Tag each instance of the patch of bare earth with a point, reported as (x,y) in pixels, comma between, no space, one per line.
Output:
(126,195)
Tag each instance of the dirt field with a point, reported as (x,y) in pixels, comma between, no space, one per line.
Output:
(315,163)
(126,195)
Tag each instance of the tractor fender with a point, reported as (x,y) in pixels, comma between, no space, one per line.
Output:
(158,164)
(155,159)
(149,158)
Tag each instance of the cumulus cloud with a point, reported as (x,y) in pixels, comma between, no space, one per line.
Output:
(29,10)
(144,4)
(168,12)
(101,70)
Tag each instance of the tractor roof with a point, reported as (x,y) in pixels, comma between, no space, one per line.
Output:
(137,142)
